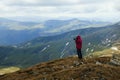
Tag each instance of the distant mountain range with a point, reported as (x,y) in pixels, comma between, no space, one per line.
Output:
(47,48)
(14,32)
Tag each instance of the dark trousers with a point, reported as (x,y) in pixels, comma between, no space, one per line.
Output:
(79,53)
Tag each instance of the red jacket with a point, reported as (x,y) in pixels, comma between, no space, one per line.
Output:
(78,42)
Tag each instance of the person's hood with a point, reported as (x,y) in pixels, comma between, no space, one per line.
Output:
(78,37)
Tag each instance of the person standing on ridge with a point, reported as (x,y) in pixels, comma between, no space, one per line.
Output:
(78,41)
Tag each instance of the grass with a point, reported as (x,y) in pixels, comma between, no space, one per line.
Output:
(70,68)
(106,52)
(8,70)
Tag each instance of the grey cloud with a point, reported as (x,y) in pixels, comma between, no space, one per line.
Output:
(117,5)
(118,8)
(41,2)
(55,2)
(51,2)
(94,1)
(60,8)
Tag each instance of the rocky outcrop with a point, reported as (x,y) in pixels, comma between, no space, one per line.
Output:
(115,59)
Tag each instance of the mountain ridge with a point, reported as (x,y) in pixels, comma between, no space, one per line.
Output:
(17,32)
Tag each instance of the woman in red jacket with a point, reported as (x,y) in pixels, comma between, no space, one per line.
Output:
(78,41)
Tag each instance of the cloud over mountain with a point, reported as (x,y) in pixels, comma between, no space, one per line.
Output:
(101,10)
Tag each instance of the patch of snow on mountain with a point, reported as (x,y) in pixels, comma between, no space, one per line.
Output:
(45,48)
(106,41)
(87,49)
(28,44)
(89,43)
(62,53)
(114,48)
(67,43)
(92,50)
(108,45)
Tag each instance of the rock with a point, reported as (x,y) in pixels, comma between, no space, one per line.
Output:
(98,63)
(76,63)
(115,59)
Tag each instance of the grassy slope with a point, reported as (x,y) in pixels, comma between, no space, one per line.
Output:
(70,68)
(106,52)
(8,70)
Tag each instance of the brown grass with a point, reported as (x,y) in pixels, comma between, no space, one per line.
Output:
(69,69)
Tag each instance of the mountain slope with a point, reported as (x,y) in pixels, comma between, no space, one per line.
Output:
(70,68)
(93,39)
(43,49)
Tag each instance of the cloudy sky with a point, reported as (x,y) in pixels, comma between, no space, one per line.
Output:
(105,10)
